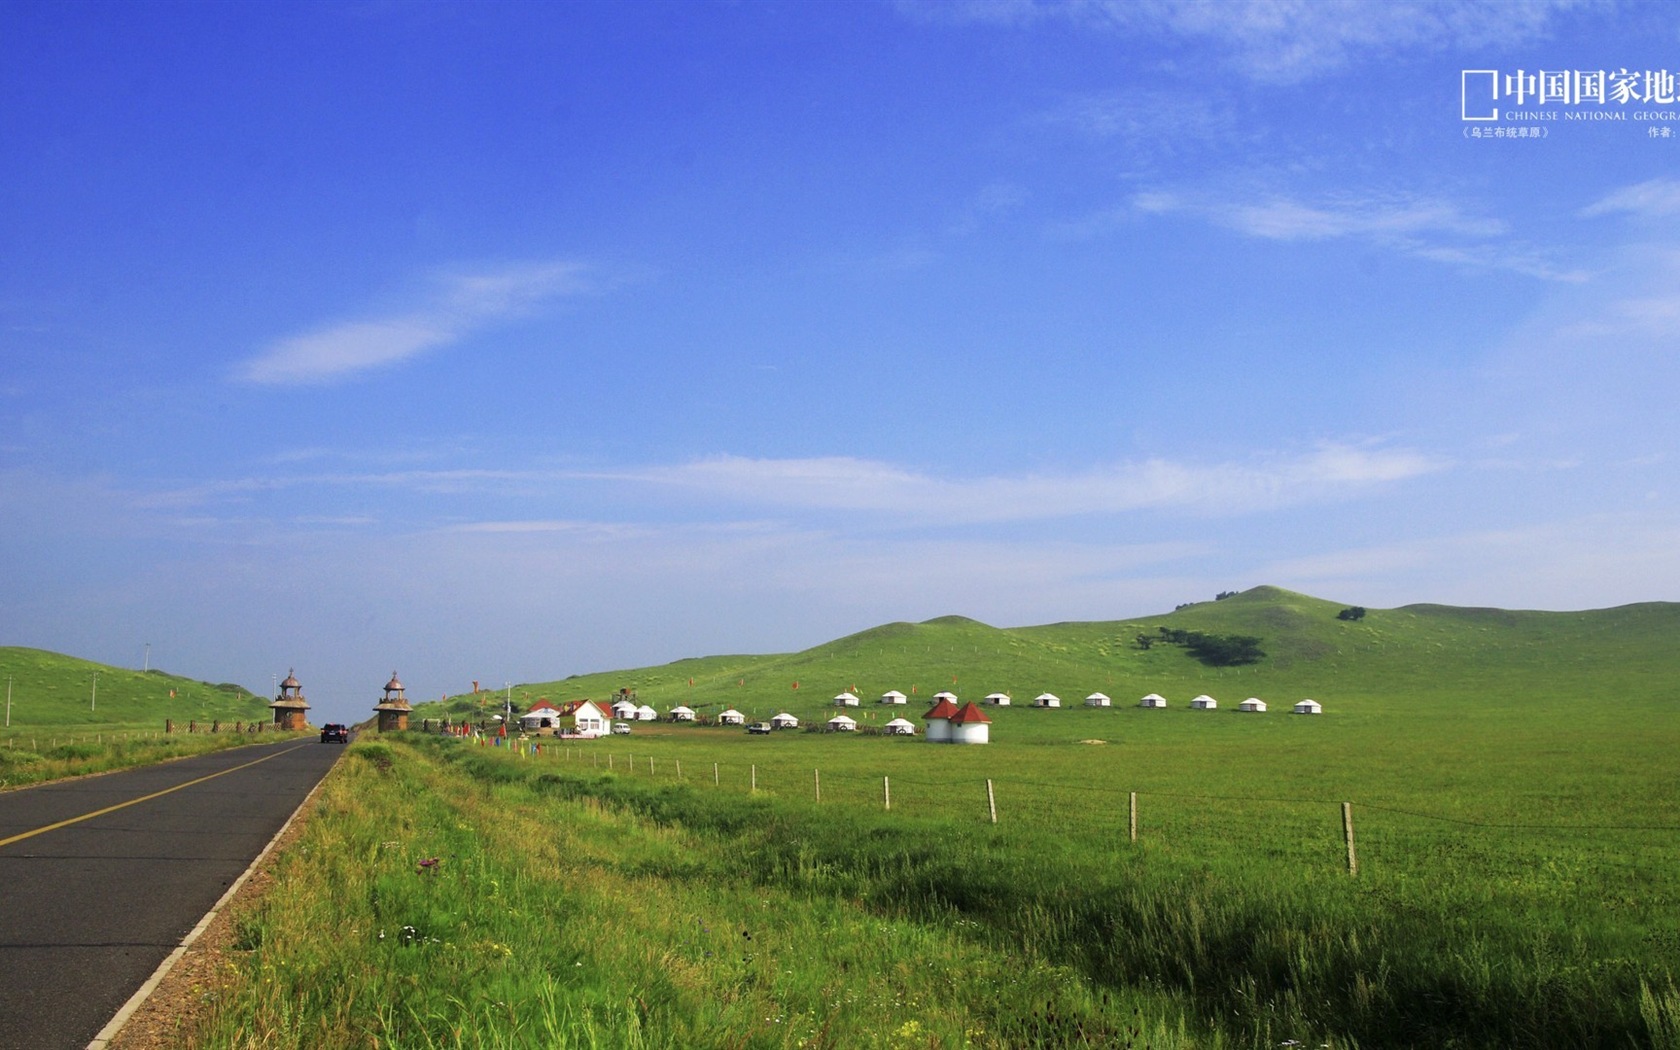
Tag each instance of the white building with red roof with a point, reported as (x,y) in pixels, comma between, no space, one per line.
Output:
(970,725)
(938,721)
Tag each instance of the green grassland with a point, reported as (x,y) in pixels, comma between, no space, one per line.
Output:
(50,689)
(1511,776)
(61,726)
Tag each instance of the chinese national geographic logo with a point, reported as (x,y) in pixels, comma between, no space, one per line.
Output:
(1492,96)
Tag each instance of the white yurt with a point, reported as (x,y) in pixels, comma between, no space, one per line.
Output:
(646,713)
(1153,700)
(1047,700)
(1098,700)
(784,721)
(624,709)
(900,727)
(842,724)
(1204,703)
(845,700)
(893,696)
(731,717)
(998,699)
(1309,707)
(682,714)
(1254,704)
(938,721)
(945,696)
(970,725)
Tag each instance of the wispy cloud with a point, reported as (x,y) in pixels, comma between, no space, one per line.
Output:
(1424,227)
(1282,40)
(457,307)
(1655,197)
(865,486)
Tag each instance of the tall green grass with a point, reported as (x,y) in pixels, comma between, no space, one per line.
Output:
(628,898)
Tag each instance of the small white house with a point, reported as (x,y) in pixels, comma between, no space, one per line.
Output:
(1309,707)
(1153,700)
(998,699)
(1047,700)
(1204,703)
(646,713)
(682,714)
(893,696)
(845,699)
(731,717)
(900,727)
(842,724)
(1098,700)
(784,721)
(590,720)
(970,725)
(1253,704)
(938,721)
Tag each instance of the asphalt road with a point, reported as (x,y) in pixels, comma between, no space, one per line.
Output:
(89,910)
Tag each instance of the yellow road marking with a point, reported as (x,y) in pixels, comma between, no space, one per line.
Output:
(136,801)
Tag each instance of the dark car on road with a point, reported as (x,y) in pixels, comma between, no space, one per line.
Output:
(335,733)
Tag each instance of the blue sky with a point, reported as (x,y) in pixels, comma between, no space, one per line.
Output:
(503,342)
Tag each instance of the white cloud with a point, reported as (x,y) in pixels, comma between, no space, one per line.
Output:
(1655,197)
(865,486)
(458,307)
(1424,227)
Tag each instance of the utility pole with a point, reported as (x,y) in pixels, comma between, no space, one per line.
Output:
(8,701)
(93,701)
(507,710)
(148,664)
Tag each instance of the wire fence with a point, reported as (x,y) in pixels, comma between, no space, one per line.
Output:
(1295,828)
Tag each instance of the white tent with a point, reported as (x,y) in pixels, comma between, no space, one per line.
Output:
(1098,700)
(682,714)
(784,721)
(842,724)
(546,719)
(1309,707)
(731,717)
(845,700)
(893,696)
(624,709)
(1047,700)
(998,699)
(945,696)
(900,727)
(1204,703)
(1153,700)
(1253,703)
(646,713)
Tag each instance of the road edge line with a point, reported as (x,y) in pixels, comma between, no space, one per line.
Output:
(144,992)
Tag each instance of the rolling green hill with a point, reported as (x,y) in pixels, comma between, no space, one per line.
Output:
(50,689)
(1422,655)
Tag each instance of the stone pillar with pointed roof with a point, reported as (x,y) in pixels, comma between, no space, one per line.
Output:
(289,706)
(393,710)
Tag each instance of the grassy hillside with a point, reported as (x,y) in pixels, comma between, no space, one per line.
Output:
(50,689)
(1423,656)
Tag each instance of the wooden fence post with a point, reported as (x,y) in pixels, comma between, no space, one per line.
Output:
(755,779)
(650,765)
(679,769)
(714,775)
(1347,834)
(886,793)
(816,775)
(609,760)
(991,800)
(1131,816)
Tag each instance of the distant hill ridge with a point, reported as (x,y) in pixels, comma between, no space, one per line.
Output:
(1389,655)
(54,689)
